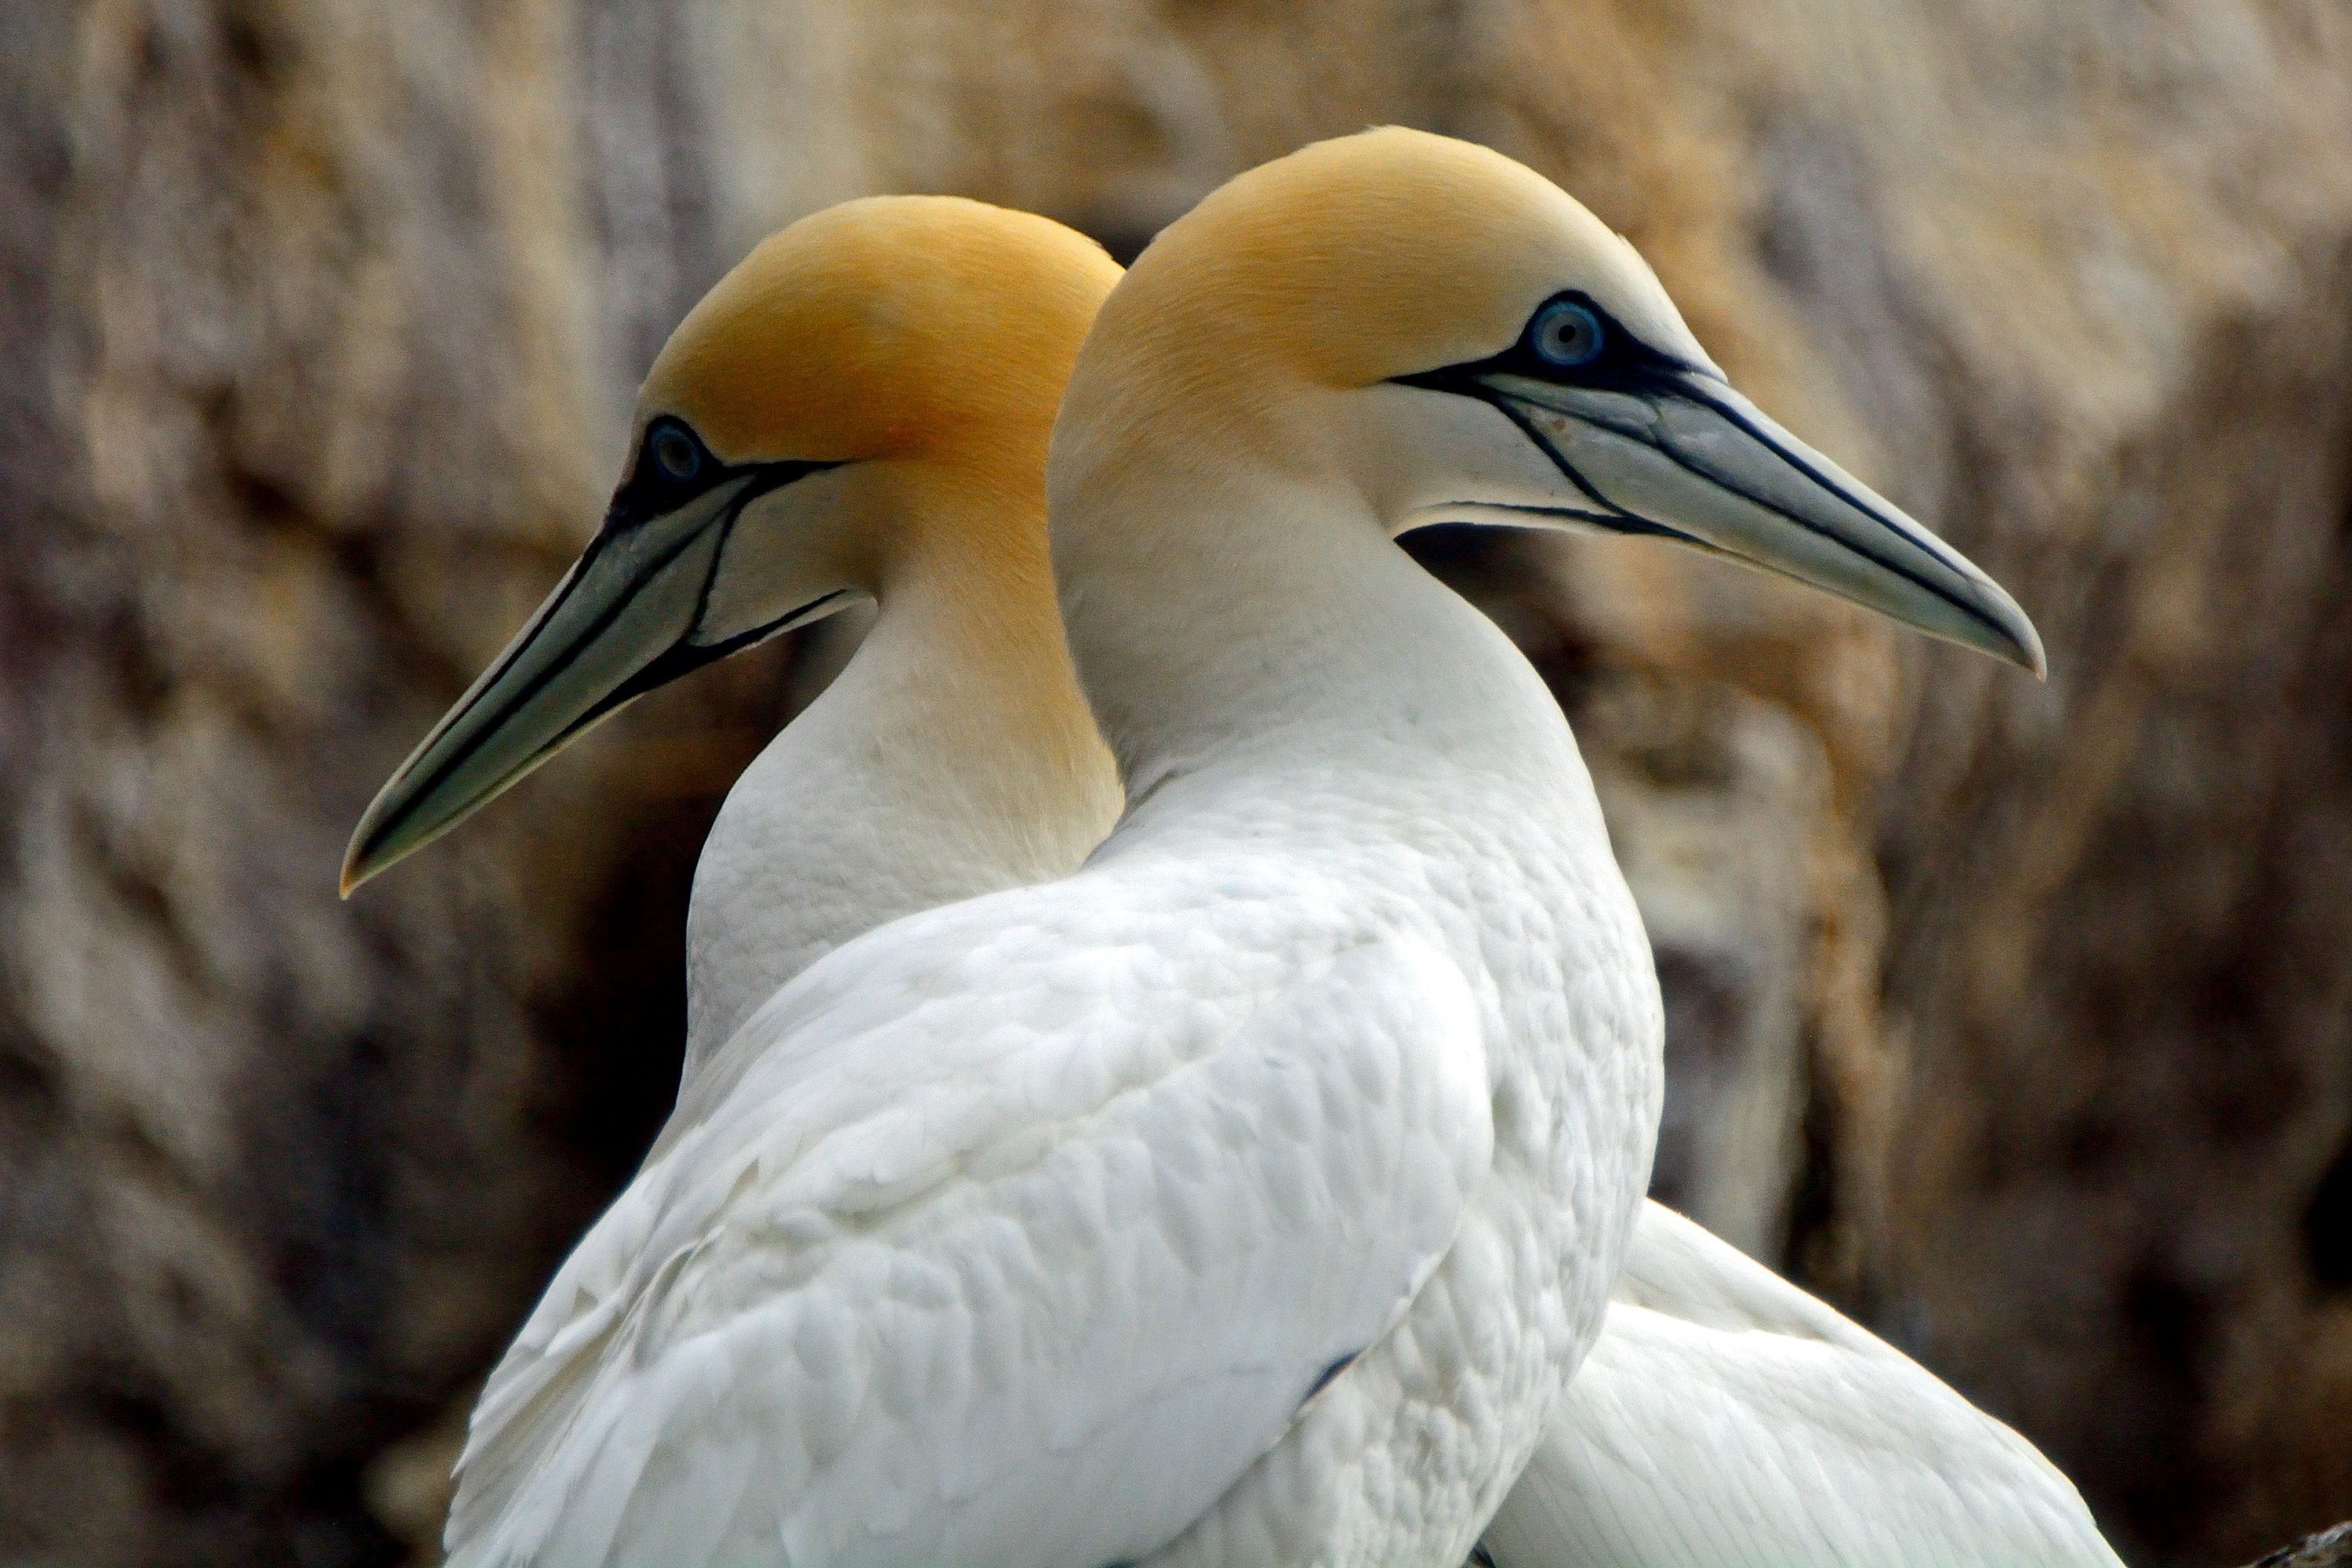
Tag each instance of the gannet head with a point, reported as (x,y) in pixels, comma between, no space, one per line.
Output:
(793,443)
(1453,335)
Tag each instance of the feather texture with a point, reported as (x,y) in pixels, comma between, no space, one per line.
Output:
(1727,1419)
(1018,1219)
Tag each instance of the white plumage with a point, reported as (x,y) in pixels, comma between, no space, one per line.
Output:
(923,1260)
(1078,1191)
(1727,1419)
(1244,1197)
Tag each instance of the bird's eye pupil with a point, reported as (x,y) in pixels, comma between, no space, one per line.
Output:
(1566,334)
(675,454)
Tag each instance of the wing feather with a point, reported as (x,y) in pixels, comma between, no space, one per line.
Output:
(1028,1261)
(1727,1419)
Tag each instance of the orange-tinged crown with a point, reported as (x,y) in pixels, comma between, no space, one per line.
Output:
(889,327)
(1347,263)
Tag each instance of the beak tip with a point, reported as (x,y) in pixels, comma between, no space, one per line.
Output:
(364,856)
(2017,630)
(2025,652)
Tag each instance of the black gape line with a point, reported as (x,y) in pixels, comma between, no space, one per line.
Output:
(1621,363)
(682,658)
(673,469)
(1617,362)
(672,466)
(1611,515)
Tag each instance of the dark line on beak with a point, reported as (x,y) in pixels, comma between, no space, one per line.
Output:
(1680,388)
(555,666)
(682,659)
(1569,513)
(1614,516)
(1698,395)
(1720,481)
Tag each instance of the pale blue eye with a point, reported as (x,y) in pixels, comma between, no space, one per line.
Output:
(674,452)
(1566,334)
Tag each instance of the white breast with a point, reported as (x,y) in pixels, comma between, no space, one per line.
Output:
(1036,1194)
(872,805)
(838,827)
(1087,1190)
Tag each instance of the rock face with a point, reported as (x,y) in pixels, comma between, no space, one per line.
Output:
(2014,1016)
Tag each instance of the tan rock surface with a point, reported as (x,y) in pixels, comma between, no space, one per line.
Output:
(2022,1016)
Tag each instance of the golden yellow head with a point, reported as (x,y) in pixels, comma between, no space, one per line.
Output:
(1354,261)
(1444,333)
(867,396)
(927,329)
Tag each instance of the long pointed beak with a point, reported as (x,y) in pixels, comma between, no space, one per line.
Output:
(622,621)
(1684,454)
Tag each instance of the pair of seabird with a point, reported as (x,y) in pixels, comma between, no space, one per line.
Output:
(1242,1179)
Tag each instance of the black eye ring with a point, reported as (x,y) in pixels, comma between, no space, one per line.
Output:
(672,454)
(1566,334)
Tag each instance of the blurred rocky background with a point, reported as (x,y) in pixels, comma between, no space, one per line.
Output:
(2016,1018)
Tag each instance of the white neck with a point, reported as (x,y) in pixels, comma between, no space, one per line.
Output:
(951,758)
(1262,623)
(1277,677)
(1296,705)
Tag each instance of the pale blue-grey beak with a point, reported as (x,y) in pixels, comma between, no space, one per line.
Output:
(1656,445)
(625,619)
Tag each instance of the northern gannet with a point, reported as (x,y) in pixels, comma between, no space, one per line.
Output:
(1353,1378)
(1723,1416)
(857,411)
(1370,335)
